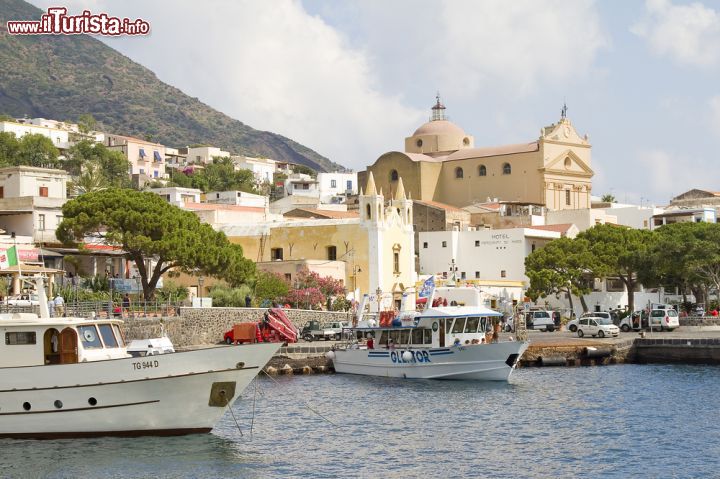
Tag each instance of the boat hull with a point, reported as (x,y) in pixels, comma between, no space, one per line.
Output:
(170,394)
(487,362)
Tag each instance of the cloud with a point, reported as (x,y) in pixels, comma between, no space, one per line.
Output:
(715,115)
(340,81)
(689,34)
(663,175)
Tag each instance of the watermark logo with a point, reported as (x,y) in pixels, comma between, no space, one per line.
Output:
(57,22)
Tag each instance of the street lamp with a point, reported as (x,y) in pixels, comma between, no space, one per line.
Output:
(201,280)
(356,270)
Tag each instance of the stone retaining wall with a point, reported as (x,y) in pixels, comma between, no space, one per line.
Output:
(203,326)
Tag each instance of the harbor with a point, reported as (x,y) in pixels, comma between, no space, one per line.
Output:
(689,345)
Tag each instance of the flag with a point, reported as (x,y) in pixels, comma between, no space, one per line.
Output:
(427,287)
(8,257)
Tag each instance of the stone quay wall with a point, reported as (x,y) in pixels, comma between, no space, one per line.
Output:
(204,326)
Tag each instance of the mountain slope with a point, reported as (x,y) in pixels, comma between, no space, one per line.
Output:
(62,77)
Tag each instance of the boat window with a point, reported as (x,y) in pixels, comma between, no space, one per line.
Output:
(428,336)
(383,337)
(472,325)
(118,336)
(417,336)
(107,336)
(448,326)
(395,336)
(89,337)
(483,325)
(20,338)
(459,325)
(404,337)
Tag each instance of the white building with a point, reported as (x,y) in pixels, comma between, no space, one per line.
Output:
(706,214)
(202,155)
(31,201)
(300,184)
(178,196)
(262,169)
(60,137)
(334,187)
(481,254)
(584,218)
(237,198)
(634,216)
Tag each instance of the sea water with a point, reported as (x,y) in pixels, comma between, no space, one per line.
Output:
(610,421)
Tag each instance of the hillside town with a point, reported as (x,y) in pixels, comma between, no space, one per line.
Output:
(441,207)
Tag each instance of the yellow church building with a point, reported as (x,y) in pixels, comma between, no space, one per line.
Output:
(374,250)
(441,163)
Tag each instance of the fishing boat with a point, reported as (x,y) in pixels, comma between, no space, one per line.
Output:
(73,377)
(448,340)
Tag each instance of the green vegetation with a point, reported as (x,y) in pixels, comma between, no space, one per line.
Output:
(270,287)
(227,297)
(69,76)
(94,167)
(608,198)
(30,150)
(148,227)
(685,256)
(560,268)
(220,175)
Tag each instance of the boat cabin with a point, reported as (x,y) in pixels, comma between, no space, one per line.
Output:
(28,340)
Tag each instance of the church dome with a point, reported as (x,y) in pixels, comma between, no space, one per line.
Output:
(439,127)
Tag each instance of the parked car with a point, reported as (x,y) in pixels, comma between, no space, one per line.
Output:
(313,330)
(24,300)
(572,325)
(596,326)
(540,320)
(660,319)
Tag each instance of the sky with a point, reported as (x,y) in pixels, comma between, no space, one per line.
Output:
(352,79)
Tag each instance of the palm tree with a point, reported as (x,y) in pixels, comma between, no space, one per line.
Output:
(608,198)
(91,179)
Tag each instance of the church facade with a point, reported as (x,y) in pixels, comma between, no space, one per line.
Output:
(441,163)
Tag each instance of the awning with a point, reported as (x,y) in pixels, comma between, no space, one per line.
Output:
(142,153)
(156,155)
(46,253)
(30,269)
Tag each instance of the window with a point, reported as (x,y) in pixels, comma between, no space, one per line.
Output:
(198,158)
(118,336)
(44,191)
(276,254)
(462,275)
(332,253)
(567,197)
(458,172)
(477,243)
(155,174)
(472,325)
(2,192)
(393,175)
(107,336)
(89,337)
(532,248)
(482,171)
(41,222)
(348,185)
(368,212)
(507,169)
(142,171)
(333,183)
(444,244)
(288,277)
(417,336)
(396,262)
(477,274)
(459,326)
(20,338)
(503,274)
(306,186)
(419,143)
(425,245)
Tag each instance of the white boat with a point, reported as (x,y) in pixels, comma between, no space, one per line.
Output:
(442,342)
(73,377)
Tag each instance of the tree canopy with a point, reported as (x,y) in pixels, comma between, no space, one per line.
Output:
(560,267)
(96,160)
(619,251)
(157,236)
(220,175)
(28,150)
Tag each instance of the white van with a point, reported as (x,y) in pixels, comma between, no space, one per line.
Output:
(659,319)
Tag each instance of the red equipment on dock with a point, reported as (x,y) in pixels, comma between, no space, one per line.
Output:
(275,327)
